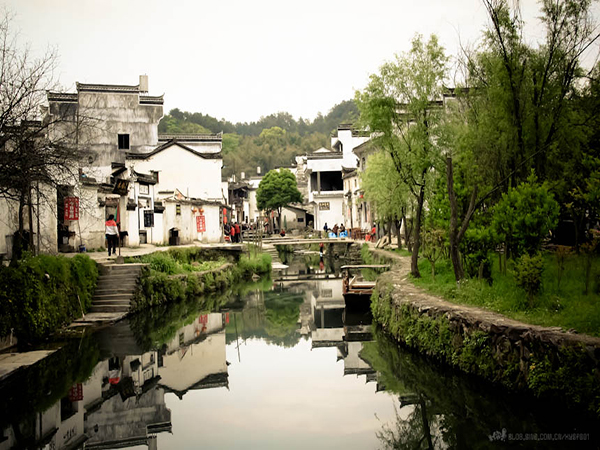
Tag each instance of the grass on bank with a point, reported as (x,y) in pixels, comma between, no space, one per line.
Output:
(158,286)
(567,307)
(177,262)
(42,293)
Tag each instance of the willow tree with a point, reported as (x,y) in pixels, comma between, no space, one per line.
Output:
(402,105)
(386,192)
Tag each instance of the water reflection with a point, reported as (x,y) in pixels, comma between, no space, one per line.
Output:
(299,370)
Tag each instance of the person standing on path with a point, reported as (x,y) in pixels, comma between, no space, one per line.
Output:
(112,234)
(232,234)
(238,232)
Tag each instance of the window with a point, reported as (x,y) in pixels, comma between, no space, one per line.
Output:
(144,189)
(178,210)
(123,142)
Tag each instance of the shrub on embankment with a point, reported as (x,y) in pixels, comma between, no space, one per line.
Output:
(548,364)
(174,276)
(42,293)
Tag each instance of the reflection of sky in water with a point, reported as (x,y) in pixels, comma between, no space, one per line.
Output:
(280,398)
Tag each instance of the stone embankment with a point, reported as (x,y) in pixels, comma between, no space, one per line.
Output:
(543,360)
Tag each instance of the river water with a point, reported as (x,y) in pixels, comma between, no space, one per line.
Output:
(280,364)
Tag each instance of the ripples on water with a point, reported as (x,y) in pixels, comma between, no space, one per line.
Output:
(281,365)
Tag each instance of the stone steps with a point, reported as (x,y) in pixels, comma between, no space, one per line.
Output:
(116,287)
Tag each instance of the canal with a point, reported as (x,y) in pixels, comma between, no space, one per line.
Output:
(278,364)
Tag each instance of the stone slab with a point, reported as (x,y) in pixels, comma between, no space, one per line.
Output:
(10,362)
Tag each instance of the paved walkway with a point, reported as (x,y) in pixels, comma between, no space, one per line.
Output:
(145,249)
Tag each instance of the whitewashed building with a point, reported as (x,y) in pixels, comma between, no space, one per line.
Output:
(161,188)
(323,171)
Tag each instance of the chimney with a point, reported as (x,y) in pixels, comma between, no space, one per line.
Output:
(144,84)
(258,170)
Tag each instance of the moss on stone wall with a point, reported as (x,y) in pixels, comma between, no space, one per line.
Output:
(157,288)
(516,360)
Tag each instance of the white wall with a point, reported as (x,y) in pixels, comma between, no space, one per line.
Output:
(213,231)
(178,168)
(335,213)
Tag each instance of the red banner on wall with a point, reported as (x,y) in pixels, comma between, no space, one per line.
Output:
(201,224)
(76,393)
(71,208)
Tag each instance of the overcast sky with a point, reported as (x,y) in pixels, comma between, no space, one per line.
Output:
(241,59)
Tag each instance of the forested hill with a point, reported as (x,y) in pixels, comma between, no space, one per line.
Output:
(271,142)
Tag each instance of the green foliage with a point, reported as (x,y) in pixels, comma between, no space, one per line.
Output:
(528,275)
(184,280)
(476,247)
(568,307)
(277,189)
(384,188)
(524,217)
(180,260)
(259,264)
(247,146)
(42,293)
(567,373)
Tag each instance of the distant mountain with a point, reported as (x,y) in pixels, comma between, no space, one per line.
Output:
(271,142)
(178,121)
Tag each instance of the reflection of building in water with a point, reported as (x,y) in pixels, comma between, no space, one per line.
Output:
(124,405)
(119,406)
(327,307)
(195,358)
(59,427)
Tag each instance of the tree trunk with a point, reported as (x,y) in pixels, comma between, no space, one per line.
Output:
(398,226)
(414,260)
(454,254)
(17,248)
(456,235)
(407,233)
(30,211)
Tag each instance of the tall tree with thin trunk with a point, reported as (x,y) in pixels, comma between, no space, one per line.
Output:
(401,105)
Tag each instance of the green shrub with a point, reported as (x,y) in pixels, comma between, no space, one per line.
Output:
(41,293)
(528,275)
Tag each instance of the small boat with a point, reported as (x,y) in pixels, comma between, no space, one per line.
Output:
(356,290)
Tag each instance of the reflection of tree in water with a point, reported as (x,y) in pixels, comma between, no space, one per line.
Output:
(158,325)
(454,410)
(282,311)
(414,431)
(271,315)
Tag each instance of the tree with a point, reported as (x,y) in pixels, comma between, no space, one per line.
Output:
(277,189)
(400,105)
(32,157)
(386,191)
(524,217)
(517,113)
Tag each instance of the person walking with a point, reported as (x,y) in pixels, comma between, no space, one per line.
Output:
(112,234)
(325,228)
